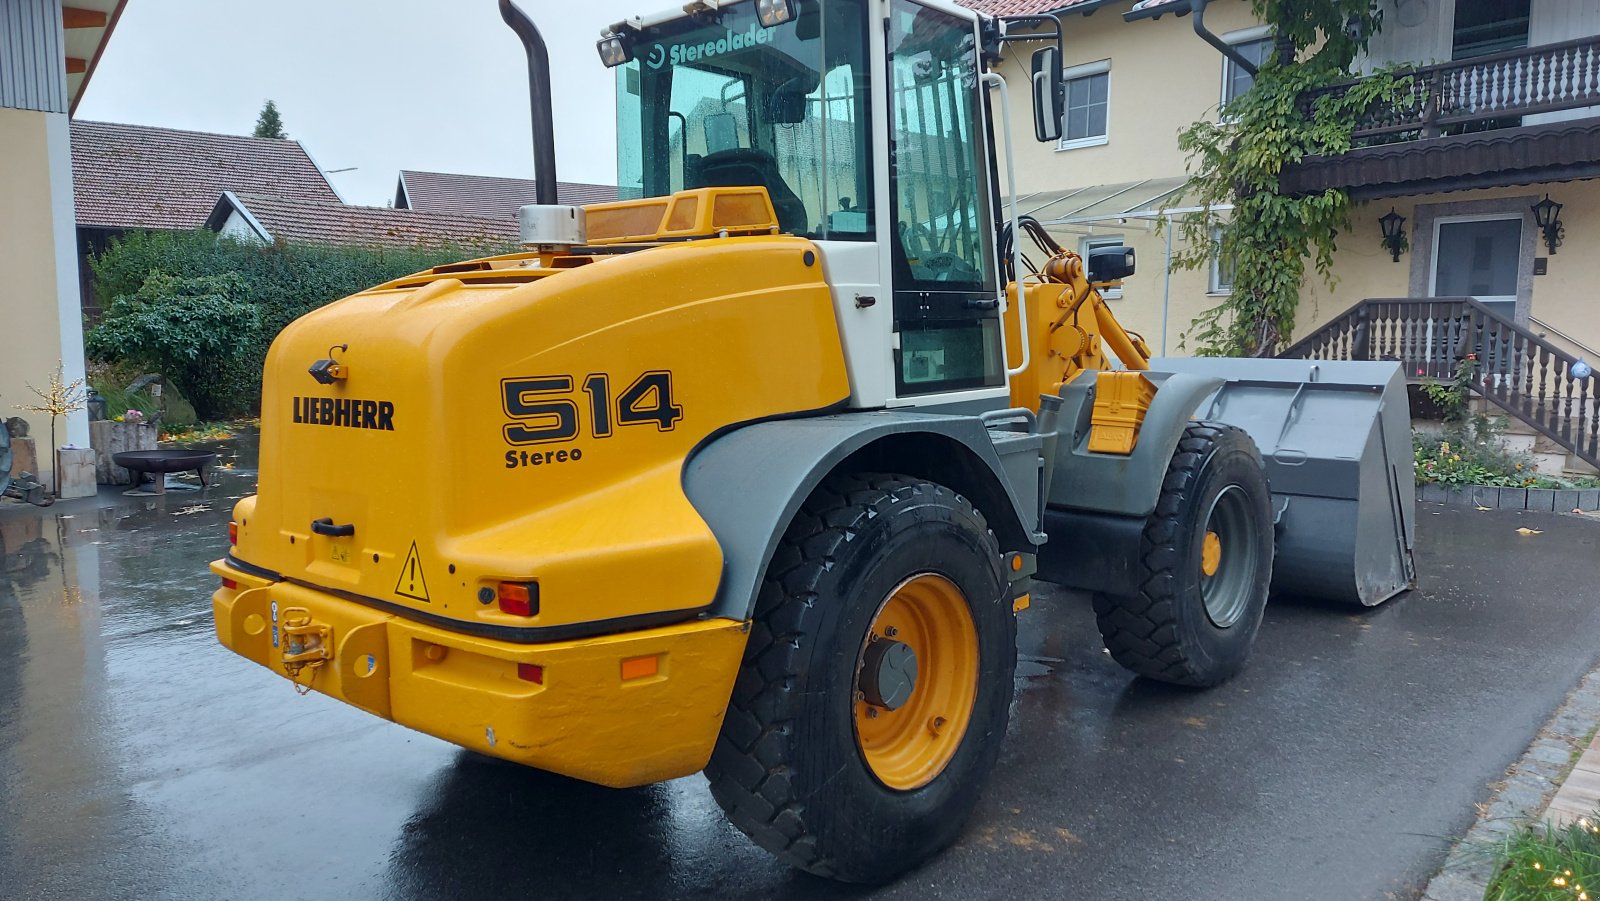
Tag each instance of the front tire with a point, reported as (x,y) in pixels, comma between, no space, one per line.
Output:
(877,682)
(1205,565)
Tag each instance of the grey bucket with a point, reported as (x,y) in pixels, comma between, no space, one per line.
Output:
(1336,440)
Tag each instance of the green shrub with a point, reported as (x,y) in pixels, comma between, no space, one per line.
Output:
(279,282)
(193,330)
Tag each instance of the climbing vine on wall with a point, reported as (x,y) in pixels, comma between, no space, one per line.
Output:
(1236,159)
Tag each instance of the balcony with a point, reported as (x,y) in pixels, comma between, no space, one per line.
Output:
(1461,125)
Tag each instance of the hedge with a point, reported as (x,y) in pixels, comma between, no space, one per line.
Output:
(202,309)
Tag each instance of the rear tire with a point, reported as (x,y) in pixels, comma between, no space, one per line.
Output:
(1186,625)
(793,768)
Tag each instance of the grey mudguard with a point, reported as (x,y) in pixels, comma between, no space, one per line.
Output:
(1112,483)
(749,483)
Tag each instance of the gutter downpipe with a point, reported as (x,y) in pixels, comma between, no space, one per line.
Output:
(1198,7)
(1166,288)
(544,132)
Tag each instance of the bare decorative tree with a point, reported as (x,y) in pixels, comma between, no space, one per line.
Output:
(59,399)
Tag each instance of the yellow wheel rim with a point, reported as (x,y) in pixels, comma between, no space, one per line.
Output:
(909,746)
(1211,553)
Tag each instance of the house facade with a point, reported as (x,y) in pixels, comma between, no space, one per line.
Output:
(1503,119)
(48,52)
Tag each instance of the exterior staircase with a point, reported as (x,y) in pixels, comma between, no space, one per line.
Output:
(1553,412)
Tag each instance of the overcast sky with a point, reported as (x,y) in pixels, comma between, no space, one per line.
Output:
(382,85)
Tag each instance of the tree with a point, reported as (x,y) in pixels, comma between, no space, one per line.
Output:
(1236,160)
(269,124)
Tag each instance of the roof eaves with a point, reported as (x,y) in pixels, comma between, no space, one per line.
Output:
(1155,9)
(94,62)
(228,203)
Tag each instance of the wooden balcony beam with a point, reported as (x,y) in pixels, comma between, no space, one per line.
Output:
(75,17)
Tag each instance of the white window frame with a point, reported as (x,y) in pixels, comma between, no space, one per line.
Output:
(1090,242)
(1214,285)
(1233,39)
(1100,67)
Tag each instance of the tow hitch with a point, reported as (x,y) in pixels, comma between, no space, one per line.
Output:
(307,644)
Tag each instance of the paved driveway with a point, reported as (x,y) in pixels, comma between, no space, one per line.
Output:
(137,758)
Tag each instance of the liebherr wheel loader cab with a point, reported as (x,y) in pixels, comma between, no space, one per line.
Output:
(751,470)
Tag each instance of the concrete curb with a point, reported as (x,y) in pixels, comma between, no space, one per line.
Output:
(1539,500)
(1523,796)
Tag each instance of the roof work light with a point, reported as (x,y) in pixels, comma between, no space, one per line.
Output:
(774,12)
(615,49)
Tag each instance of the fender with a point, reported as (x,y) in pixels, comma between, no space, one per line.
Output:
(1098,502)
(1112,483)
(748,483)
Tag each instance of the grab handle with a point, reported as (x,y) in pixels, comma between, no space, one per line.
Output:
(325,526)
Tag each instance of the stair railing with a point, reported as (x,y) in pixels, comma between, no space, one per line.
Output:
(1519,371)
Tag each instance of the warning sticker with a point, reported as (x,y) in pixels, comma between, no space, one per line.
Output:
(412,584)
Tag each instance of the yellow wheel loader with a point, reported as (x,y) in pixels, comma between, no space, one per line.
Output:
(751,471)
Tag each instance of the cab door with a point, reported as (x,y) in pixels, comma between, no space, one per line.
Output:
(947,327)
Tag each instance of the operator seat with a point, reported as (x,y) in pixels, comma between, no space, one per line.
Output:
(745,166)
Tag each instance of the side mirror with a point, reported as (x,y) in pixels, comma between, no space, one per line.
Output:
(789,103)
(1110,264)
(1048,94)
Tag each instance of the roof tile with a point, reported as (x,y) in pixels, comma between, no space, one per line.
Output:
(298,221)
(138,176)
(487,195)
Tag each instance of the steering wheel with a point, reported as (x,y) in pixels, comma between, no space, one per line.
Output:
(949,267)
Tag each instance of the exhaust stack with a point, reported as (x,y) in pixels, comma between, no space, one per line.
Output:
(544,136)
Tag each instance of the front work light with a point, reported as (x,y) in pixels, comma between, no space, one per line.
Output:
(774,12)
(614,50)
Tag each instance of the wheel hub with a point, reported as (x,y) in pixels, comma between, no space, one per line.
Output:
(888,673)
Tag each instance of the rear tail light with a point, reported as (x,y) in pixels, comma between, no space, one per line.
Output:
(519,598)
(230,584)
(531,672)
(233,534)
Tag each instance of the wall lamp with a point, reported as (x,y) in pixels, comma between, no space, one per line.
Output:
(1394,233)
(1547,215)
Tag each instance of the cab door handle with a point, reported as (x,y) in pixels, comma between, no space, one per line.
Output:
(325,526)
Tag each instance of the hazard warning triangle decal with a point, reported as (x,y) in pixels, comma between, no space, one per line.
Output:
(412,584)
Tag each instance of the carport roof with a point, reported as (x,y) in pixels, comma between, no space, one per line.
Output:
(1142,199)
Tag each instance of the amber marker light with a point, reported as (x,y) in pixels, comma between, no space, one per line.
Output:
(519,598)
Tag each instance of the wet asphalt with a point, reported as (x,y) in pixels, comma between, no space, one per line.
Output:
(138,759)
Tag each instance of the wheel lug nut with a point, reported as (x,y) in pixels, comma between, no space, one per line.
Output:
(872,713)
(891,631)
(936,724)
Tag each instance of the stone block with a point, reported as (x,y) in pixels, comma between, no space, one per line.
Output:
(108,438)
(1433,493)
(1589,499)
(1541,500)
(75,477)
(1566,500)
(1513,498)
(1457,495)
(24,456)
(1483,496)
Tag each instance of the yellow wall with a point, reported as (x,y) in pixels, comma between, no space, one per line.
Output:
(1563,298)
(38,257)
(1163,77)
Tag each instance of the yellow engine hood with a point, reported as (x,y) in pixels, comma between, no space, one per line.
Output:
(531,424)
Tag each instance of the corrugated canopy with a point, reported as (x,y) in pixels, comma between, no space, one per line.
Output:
(1097,203)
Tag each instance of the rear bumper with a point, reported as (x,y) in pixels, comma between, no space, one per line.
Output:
(584,719)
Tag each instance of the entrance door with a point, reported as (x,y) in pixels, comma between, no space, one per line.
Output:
(1478,257)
